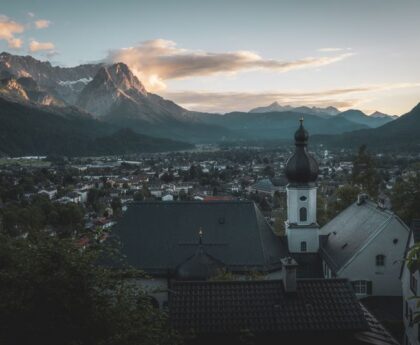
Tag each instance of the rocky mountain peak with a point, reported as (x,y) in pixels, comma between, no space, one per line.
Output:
(120,77)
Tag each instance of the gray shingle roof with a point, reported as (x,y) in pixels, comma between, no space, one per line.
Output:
(158,236)
(344,235)
(227,307)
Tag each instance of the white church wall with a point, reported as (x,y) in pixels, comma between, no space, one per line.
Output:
(298,197)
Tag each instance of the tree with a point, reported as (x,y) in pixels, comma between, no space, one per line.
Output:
(116,206)
(54,292)
(364,174)
(405,198)
(344,197)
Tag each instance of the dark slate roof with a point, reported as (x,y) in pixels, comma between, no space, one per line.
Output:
(301,167)
(227,307)
(200,266)
(158,236)
(346,234)
(376,334)
(310,265)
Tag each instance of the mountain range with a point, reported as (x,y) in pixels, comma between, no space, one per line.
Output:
(96,103)
(374,120)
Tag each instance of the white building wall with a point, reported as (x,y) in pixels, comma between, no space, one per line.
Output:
(385,282)
(307,231)
(411,329)
(295,236)
(294,204)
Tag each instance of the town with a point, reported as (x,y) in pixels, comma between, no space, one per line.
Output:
(95,191)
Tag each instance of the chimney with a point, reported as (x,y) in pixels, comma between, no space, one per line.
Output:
(361,198)
(289,268)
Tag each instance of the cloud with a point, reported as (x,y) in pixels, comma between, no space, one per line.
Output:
(342,98)
(8,29)
(36,46)
(158,60)
(42,24)
(15,43)
(31,14)
(329,50)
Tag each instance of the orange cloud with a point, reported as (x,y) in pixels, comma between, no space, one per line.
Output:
(36,46)
(342,98)
(8,29)
(158,60)
(42,24)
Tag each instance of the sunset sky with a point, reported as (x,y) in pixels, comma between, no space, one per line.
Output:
(236,55)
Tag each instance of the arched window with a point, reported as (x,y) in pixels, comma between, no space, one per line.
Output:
(303,246)
(303,214)
(380,260)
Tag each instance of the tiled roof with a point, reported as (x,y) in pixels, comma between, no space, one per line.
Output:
(158,236)
(227,307)
(376,334)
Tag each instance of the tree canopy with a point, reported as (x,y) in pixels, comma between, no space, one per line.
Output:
(54,291)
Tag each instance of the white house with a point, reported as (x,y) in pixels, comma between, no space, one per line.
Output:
(365,243)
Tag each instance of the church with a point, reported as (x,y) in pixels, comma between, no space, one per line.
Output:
(194,248)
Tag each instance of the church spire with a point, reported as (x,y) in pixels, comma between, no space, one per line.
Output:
(301,167)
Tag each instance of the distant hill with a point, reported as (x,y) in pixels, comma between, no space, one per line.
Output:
(278,125)
(372,121)
(402,133)
(29,130)
(276,107)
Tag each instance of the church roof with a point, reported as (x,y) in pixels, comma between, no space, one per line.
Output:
(301,167)
(200,266)
(226,307)
(350,230)
(157,236)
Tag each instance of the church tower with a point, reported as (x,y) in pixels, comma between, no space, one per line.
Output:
(301,170)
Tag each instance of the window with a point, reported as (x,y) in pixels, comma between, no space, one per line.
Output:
(413,284)
(360,287)
(303,214)
(303,198)
(406,309)
(303,246)
(380,260)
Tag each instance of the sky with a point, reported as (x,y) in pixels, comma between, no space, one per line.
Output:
(222,56)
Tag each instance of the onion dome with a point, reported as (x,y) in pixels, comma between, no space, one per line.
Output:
(200,266)
(301,167)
